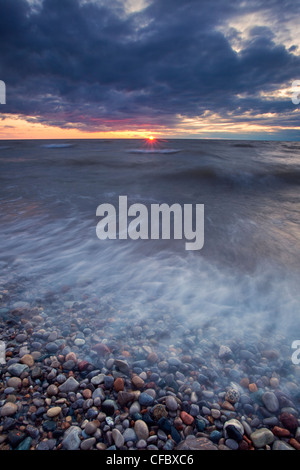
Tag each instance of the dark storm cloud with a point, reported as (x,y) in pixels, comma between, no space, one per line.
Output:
(89,65)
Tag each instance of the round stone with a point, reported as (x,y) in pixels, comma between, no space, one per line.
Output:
(8,409)
(289,421)
(109,407)
(262,437)
(171,403)
(14,382)
(52,390)
(270,401)
(141,429)
(236,424)
(118,438)
(145,399)
(138,382)
(232,395)
(53,412)
(90,428)
(159,411)
(28,360)
(119,384)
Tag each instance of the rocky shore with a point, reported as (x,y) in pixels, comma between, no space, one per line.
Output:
(78,375)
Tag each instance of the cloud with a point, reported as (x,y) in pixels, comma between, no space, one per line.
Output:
(97,65)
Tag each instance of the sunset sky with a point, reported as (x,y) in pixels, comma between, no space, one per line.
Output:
(134,68)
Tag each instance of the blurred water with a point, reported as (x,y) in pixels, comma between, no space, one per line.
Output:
(247,273)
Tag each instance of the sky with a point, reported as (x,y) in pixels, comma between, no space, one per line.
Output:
(132,68)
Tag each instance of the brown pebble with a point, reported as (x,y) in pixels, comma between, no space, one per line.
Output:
(87,393)
(52,390)
(137,381)
(228,406)
(119,384)
(152,358)
(252,388)
(289,421)
(280,432)
(244,382)
(186,418)
(294,443)
(28,360)
(71,356)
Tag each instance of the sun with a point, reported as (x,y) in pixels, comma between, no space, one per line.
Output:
(151,138)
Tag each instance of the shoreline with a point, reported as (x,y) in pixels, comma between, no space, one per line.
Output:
(86,379)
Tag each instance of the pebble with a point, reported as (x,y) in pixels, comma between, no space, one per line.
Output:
(28,360)
(14,382)
(232,395)
(17,369)
(141,429)
(225,352)
(232,444)
(281,445)
(87,444)
(71,439)
(186,418)
(119,384)
(8,409)
(138,382)
(53,412)
(109,407)
(289,421)
(90,428)
(70,385)
(118,438)
(145,399)
(262,437)
(130,435)
(270,401)
(171,403)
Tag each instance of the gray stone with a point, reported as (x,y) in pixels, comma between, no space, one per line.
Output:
(135,408)
(87,444)
(70,385)
(270,401)
(109,407)
(71,439)
(51,347)
(130,435)
(98,393)
(122,366)
(118,438)
(233,445)
(17,369)
(196,443)
(281,445)
(145,399)
(262,437)
(141,429)
(224,352)
(234,422)
(171,403)
(8,409)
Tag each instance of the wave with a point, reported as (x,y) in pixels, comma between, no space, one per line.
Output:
(153,150)
(56,146)
(242,177)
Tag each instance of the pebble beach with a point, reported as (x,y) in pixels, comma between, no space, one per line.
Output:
(139,390)
(139,344)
